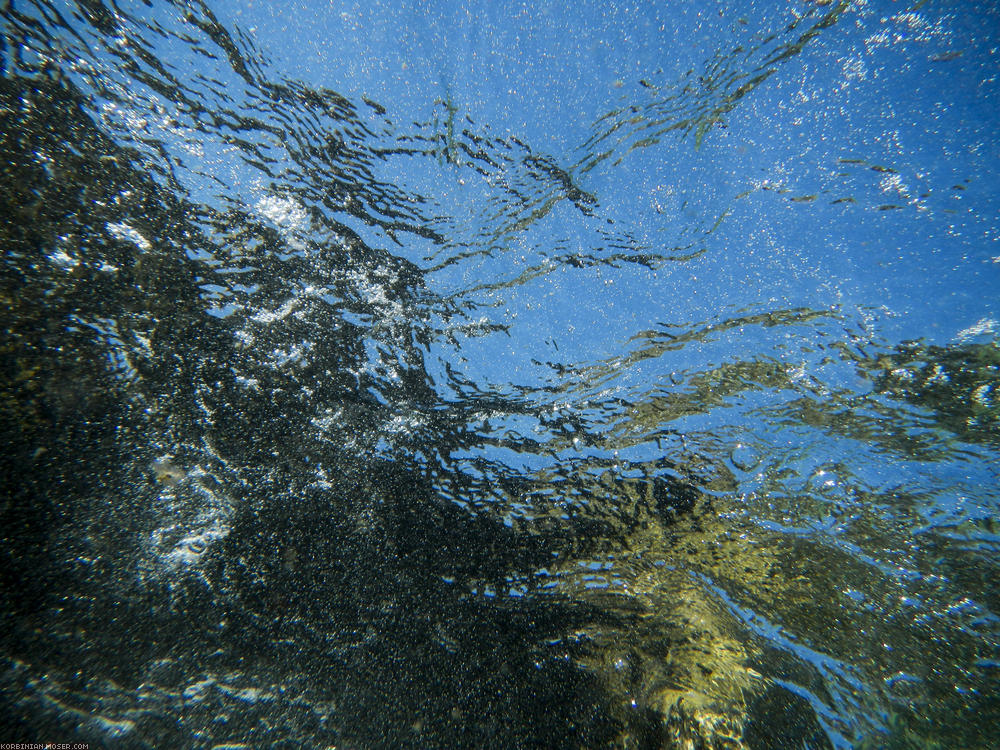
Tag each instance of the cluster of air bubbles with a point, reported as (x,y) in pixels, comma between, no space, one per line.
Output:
(190,517)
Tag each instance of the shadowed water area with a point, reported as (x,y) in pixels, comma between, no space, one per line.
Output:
(344,410)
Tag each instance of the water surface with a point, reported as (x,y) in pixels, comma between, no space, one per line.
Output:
(500,376)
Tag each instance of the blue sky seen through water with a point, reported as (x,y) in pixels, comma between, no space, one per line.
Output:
(913,93)
(859,177)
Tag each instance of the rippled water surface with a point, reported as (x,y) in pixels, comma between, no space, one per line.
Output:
(500,375)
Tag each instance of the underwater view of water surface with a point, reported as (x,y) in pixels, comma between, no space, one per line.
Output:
(500,375)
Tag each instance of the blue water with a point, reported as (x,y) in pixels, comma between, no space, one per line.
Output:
(683,313)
